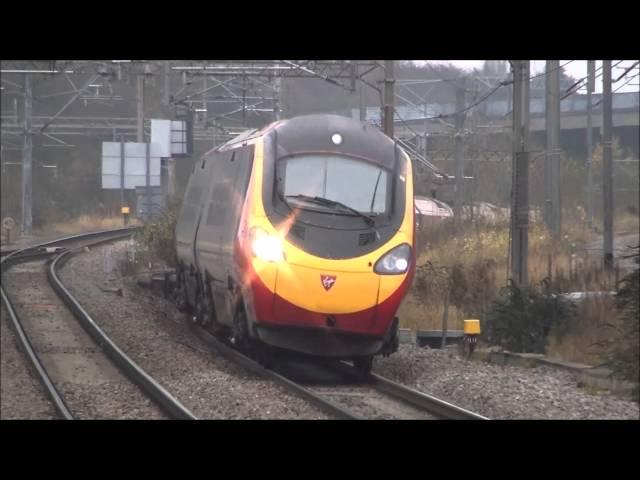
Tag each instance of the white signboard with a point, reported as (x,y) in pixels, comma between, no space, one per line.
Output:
(135,165)
(161,136)
(169,136)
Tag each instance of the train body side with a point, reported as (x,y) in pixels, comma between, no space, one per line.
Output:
(208,223)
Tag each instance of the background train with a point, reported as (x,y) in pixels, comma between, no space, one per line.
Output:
(299,237)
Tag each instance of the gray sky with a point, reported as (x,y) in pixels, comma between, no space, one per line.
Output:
(576,69)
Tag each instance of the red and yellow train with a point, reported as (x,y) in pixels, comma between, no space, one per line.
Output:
(299,236)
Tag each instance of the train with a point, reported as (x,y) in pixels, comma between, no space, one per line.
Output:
(299,237)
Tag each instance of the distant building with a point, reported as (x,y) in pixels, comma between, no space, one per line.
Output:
(575,104)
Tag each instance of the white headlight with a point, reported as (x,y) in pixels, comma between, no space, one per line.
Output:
(336,138)
(266,247)
(395,261)
(401,264)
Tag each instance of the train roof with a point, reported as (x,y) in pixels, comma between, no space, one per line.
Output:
(335,133)
(247,136)
(308,126)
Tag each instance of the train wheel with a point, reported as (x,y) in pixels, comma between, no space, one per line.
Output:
(239,331)
(202,316)
(363,364)
(180,293)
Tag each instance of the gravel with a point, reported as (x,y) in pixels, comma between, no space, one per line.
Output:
(21,394)
(155,335)
(500,392)
(370,404)
(92,387)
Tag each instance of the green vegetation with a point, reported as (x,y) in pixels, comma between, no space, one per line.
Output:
(521,320)
(623,342)
(155,241)
(469,263)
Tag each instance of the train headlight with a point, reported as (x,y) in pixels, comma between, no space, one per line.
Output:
(266,247)
(395,261)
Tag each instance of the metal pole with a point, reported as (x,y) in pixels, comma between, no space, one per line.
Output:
(425,137)
(388,97)
(591,67)
(445,316)
(167,85)
(148,179)
(548,156)
(27,157)
(520,180)
(354,75)
(122,171)
(459,151)
(205,105)
(552,157)
(140,101)
(244,100)
(426,146)
(276,97)
(362,103)
(607,164)
(171,176)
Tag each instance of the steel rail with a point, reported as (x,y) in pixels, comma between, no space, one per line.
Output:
(153,389)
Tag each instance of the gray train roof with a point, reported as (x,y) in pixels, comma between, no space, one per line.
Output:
(315,133)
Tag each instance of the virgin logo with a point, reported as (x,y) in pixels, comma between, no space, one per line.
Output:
(327,281)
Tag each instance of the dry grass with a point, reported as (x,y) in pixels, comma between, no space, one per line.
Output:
(627,223)
(581,345)
(567,262)
(418,317)
(81,224)
(88,223)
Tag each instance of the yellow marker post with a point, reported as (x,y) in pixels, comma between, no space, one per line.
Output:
(125,215)
(471,332)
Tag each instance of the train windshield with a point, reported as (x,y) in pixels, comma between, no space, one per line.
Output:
(356,184)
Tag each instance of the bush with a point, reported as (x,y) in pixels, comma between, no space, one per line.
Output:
(624,345)
(471,287)
(156,239)
(520,320)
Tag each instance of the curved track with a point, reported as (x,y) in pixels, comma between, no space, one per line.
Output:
(338,389)
(163,399)
(343,392)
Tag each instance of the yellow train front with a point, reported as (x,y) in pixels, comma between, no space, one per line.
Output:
(318,252)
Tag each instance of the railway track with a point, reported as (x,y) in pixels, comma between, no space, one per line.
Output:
(394,400)
(81,354)
(343,392)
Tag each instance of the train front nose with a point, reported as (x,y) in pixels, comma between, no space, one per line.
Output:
(327,299)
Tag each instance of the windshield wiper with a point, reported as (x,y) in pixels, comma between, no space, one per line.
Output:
(333,203)
(284,200)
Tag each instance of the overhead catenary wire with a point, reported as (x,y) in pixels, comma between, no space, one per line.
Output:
(626,71)
(552,70)
(576,86)
(619,87)
(510,81)
(497,87)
